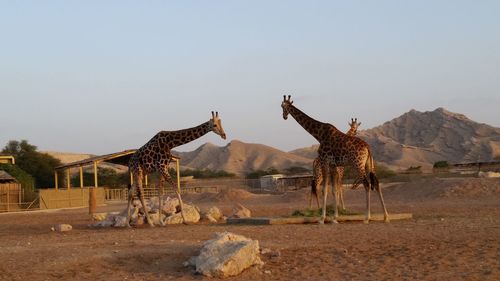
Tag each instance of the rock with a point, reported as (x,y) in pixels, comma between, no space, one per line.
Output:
(191,213)
(241,212)
(214,212)
(99,216)
(155,218)
(170,206)
(63,227)
(120,221)
(226,255)
(210,218)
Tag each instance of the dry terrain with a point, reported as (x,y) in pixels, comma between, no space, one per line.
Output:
(454,235)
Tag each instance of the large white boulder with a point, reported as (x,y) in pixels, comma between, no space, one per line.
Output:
(226,255)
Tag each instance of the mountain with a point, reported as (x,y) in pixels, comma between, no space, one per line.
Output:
(412,139)
(239,158)
(422,138)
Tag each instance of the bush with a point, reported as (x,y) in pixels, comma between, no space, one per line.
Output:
(105,177)
(259,173)
(206,174)
(293,170)
(441,164)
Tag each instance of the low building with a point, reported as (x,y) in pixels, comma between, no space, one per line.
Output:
(270,181)
(7,159)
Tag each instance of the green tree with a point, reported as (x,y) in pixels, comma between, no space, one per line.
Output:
(206,174)
(293,170)
(259,173)
(39,165)
(105,177)
(441,164)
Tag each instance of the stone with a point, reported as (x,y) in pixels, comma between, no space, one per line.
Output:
(155,218)
(99,216)
(226,255)
(63,227)
(120,221)
(210,218)
(170,206)
(214,212)
(241,212)
(191,213)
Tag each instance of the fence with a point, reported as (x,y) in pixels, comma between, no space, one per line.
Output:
(68,198)
(192,186)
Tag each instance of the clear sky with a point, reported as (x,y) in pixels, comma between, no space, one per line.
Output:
(104,76)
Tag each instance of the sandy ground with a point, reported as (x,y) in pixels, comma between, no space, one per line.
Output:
(454,235)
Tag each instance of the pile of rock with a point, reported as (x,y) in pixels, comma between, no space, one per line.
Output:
(170,214)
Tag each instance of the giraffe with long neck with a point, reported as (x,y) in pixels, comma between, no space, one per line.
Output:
(338,149)
(318,175)
(156,154)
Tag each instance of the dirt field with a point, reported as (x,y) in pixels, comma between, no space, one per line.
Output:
(454,235)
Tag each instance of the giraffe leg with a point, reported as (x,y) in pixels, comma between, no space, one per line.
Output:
(335,196)
(367,189)
(160,199)
(131,192)
(317,187)
(325,195)
(141,197)
(167,177)
(375,183)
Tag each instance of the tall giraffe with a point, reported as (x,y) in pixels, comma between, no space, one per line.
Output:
(156,154)
(338,149)
(318,176)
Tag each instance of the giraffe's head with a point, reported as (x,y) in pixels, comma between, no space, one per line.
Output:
(354,125)
(286,105)
(216,124)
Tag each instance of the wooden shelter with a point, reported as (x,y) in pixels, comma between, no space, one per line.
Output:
(121,158)
(7,159)
(10,192)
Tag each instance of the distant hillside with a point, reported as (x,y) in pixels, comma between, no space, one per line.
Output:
(239,158)
(412,139)
(422,138)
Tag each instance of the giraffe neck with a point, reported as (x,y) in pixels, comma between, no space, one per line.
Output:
(312,126)
(180,137)
(352,132)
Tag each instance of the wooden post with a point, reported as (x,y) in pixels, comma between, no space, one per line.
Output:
(95,174)
(81,185)
(68,179)
(92,190)
(81,177)
(131,179)
(8,195)
(55,179)
(146,180)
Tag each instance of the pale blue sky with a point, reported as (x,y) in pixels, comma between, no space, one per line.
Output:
(103,76)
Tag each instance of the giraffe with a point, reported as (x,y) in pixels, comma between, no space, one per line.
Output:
(318,176)
(155,156)
(338,149)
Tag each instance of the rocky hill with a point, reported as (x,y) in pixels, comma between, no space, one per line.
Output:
(239,158)
(412,139)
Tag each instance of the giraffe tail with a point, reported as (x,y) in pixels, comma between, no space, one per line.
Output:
(374,183)
(314,191)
